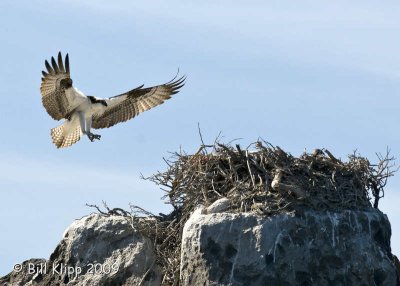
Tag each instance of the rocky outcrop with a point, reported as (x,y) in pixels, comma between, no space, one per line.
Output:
(95,250)
(221,248)
(314,248)
(270,219)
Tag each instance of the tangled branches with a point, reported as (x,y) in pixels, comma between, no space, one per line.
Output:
(269,180)
(265,181)
(262,179)
(165,231)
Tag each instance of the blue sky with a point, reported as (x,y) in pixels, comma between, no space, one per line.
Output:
(301,75)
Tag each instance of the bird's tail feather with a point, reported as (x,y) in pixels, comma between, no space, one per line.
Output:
(65,136)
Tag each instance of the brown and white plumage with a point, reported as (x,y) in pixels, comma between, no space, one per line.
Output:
(81,113)
(125,106)
(53,86)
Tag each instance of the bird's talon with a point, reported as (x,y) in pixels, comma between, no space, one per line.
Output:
(92,136)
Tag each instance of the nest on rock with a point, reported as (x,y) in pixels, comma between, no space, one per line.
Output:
(262,179)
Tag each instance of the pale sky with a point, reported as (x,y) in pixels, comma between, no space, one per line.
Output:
(301,75)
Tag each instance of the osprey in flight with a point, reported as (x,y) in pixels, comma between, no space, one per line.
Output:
(81,112)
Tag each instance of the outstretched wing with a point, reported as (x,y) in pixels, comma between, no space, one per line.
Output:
(125,106)
(54,83)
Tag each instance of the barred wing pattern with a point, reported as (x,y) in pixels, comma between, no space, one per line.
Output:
(125,106)
(64,138)
(54,83)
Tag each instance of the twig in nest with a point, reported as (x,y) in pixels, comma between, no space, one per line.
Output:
(98,209)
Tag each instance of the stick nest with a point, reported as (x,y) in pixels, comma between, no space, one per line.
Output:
(261,179)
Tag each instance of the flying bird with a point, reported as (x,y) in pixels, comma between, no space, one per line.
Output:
(82,113)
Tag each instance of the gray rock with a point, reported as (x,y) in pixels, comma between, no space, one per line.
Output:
(24,277)
(96,250)
(218,206)
(316,248)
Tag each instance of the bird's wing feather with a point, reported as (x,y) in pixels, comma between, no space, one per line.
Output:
(125,106)
(54,83)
